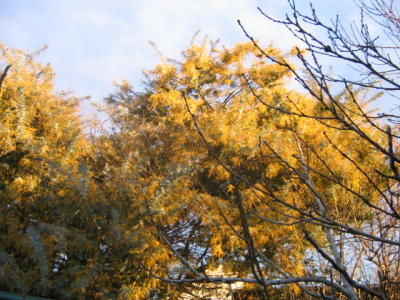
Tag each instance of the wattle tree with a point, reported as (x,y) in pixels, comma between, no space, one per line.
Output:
(216,165)
(225,160)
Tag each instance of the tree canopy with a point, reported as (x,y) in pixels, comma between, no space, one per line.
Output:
(217,172)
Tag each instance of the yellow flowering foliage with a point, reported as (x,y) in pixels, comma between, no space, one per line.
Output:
(211,140)
(216,114)
(59,227)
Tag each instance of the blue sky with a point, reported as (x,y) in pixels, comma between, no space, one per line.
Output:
(95,42)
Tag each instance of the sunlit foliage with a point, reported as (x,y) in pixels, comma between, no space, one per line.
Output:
(190,165)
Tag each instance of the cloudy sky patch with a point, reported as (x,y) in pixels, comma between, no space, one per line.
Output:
(93,43)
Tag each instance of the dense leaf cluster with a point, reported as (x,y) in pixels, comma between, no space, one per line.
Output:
(188,179)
